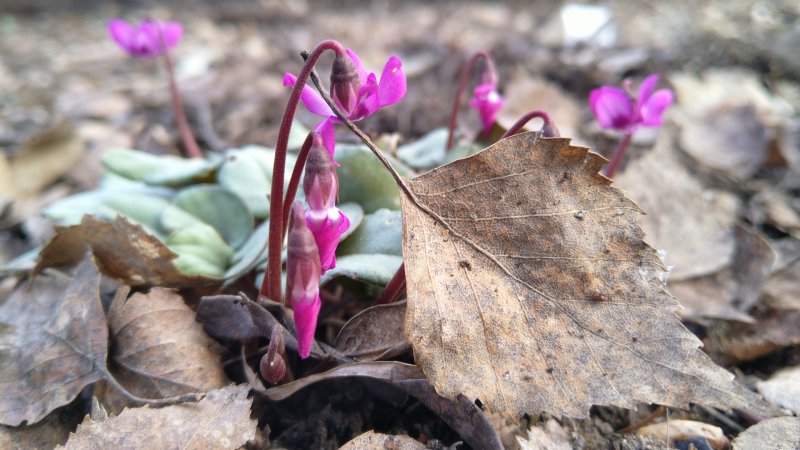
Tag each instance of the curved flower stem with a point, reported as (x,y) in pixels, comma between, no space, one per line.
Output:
(611,168)
(395,289)
(462,84)
(190,148)
(548,129)
(294,181)
(271,288)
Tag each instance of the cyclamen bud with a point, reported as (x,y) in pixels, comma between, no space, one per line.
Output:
(345,83)
(273,366)
(321,186)
(302,278)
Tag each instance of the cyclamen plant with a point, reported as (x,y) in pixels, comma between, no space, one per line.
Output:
(618,109)
(150,39)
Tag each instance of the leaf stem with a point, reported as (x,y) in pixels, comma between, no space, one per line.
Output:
(462,84)
(190,148)
(272,278)
(612,167)
(194,397)
(548,128)
(395,289)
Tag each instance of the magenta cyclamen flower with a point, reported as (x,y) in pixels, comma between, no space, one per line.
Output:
(323,218)
(614,109)
(372,95)
(488,102)
(145,40)
(302,279)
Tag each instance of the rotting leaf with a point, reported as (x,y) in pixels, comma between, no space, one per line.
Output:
(159,349)
(45,435)
(373,441)
(53,343)
(123,250)
(530,287)
(374,333)
(220,420)
(782,433)
(738,342)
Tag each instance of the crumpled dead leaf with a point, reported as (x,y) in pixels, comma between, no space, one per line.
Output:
(374,333)
(548,437)
(123,250)
(675,432)
(159,349)
(782,433)
(739,342)
(783,388)
(529,287)
(694,225)
(220,420)
(45,435)
(378,441)
(53,343)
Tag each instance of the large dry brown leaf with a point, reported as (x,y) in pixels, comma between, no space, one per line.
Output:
(375,333)
(159,349)
(123,250)
(45,435)
(782,433)
(220,421)
(378,441)
(529,287)
(53,343)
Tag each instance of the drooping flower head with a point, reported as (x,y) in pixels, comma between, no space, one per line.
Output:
(302,279)
(321,187)
(145,40)
(373,94)
(485,98)
(615,109)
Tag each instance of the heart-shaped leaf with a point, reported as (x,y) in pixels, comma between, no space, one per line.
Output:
(426,152)
(375,268)
(248,173)
(213,205)
(530,287)
(163,170)
(200,249)
(381,232)
(363,180)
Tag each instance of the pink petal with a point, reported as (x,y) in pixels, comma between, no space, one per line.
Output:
(326,129)
(362,72)
(392,87)
(612,108)
(122,33)
(646,88)
(173,31)
(488,102)
(367,99)
(327,232)
(306,311)
(310,98)
(653,109)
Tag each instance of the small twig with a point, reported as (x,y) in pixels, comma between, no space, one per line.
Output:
(194,397)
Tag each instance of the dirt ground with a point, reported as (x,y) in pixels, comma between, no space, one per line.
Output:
(59,68)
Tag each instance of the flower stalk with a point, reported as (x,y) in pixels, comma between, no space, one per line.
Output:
(549,128)
(485,97)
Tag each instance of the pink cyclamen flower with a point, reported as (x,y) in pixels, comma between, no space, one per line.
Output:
(323,218)
(614,109)
(145,40)
(488,102)
(373,94)
(302,279)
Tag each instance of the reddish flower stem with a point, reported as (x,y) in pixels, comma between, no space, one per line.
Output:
(271,288)
(462,84)
(395,289)
(548,129)
(190,148)
(619,154)
(294,181)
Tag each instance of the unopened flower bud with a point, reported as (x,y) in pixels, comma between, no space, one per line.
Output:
(273,366)
(302,278)
(323,218)
(345,83)
(549,129)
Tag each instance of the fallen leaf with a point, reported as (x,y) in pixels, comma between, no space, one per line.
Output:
(547,302)
(677,433)
(48,433)
(732,291)
(374,333)
(780,291)
(379,441)
(740,342)
(694,225)
(159,349)
(783,388)
(45,158)
(123,250)
(782,433)
(53,343)
(220,420)
(549,437)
